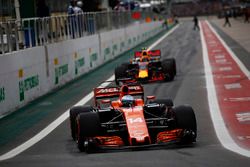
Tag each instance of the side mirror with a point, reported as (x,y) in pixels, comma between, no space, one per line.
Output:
(106,101)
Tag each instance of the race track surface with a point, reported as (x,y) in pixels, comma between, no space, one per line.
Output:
(189,87)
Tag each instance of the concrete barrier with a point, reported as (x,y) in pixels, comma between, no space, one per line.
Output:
(22,78)
(28,74)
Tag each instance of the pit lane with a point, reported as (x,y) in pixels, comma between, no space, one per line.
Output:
(57,149)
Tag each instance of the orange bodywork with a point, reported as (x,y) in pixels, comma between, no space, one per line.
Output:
(136,124)
(109,141)
(137,128)
(167,136)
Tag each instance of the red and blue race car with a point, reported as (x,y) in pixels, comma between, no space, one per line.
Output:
(146,66)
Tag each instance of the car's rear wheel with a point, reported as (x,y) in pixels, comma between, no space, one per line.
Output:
(73,112)
(169,69)
(88,125)
(185,119)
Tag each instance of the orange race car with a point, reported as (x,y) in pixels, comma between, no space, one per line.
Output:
(146,66)
(127,121)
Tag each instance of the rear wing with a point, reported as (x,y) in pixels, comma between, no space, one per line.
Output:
(152,53)
(110,92)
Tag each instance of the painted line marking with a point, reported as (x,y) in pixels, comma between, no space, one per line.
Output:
(229,76)
(217,119)
(221,61)
(233,86)
(212,42)
(216,51)
(220,56)
(225,69)
(243,138)
(42,134)
(243,117)
(238,99)
(235,58)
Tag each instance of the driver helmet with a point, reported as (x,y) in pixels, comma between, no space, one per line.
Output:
(127,100)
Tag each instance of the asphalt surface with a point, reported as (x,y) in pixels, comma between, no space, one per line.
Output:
(58,149)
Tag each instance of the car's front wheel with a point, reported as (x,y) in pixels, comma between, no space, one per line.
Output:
(88,126)
(186,120)
(73,112)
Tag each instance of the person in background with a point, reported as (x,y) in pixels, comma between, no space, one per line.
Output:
(75,7)
(79,17)
(227,22)
(76,18)
(120,6)
(196,23)
(72,19)
(165,24)
(72,4)
(246,16)
(42,9)
(78,8)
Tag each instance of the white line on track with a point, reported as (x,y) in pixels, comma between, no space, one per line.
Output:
(218,122)
(236,59)
(42,134)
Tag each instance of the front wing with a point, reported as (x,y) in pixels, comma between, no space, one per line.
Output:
(165,138)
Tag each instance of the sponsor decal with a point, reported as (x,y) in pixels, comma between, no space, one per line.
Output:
(115,89)
(134,39)
(108,90)
(94,57)
(129,41)
(122,45)
(27,84)
(2,94)
(78,64)
(135,120)
(134,88)
(106,53)
(60,71)
(114,49)
(136,15)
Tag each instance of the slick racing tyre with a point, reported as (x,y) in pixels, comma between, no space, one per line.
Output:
(88,125)
(174,65)
(120,72)
(185,119)
(73,112)
(169,69)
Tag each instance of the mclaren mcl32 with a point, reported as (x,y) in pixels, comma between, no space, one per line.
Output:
(121,118)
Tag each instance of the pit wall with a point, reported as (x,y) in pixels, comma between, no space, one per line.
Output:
(28,74)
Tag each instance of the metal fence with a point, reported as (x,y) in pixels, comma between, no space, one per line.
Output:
(16,35)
